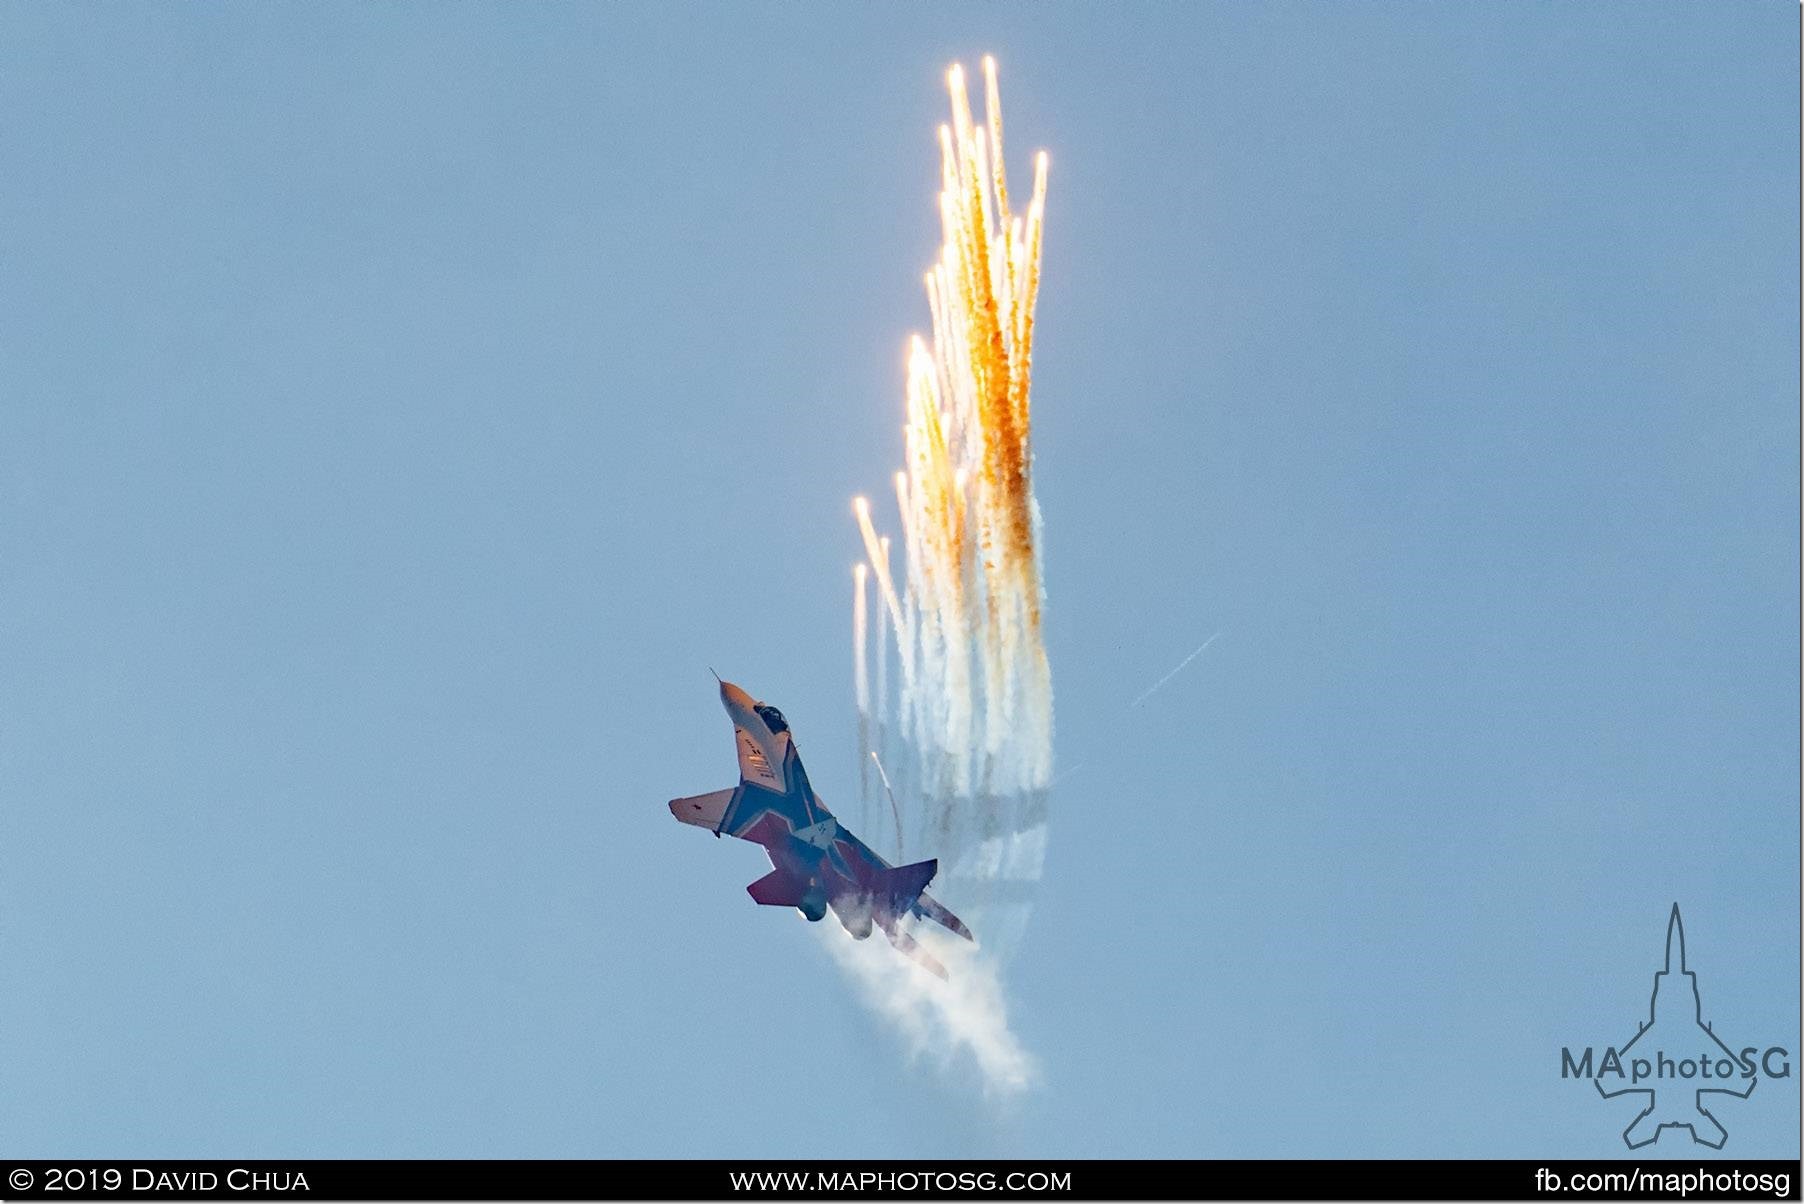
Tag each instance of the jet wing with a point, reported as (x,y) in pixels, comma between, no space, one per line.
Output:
(703,810)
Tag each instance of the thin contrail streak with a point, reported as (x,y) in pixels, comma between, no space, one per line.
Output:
(1156,687)
(1160,684)
(894,810)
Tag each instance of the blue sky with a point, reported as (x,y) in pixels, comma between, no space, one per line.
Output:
(404,405)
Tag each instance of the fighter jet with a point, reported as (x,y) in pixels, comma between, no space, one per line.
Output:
(818,863)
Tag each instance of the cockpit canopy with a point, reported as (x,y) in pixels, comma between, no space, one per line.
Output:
(773,718)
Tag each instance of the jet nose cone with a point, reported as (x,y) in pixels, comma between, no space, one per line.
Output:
(732,696)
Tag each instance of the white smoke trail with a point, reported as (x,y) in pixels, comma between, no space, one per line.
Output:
(965,1013)
(895,808)
(861,687)
(882,648)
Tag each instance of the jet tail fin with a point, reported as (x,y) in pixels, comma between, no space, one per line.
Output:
(903,884)
(908,946)
(930,908)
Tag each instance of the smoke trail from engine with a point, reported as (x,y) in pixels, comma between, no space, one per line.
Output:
(963,1014)
(965,726)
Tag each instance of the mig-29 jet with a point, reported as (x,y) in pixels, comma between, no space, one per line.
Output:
(819,864)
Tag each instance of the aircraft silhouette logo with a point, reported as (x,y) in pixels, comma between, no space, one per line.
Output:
(1680,1051)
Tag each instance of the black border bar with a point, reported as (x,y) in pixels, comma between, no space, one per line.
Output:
(925,1179)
